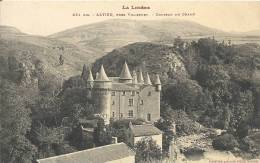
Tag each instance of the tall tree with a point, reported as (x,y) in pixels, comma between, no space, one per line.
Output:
(15,123)
(147,151)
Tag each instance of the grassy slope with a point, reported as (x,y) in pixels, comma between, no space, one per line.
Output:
(111,34)
(28,48)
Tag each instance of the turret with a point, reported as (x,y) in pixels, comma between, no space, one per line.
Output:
(84,73)
(102,95)
(140,78)
(157,83)
(90,80)
(125,75)
(147,80)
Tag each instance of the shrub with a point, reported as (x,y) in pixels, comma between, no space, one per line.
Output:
(225,142)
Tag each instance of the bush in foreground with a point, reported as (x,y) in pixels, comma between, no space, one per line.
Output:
(225,142)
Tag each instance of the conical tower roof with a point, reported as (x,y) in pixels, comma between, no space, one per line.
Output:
(140,77)
(90,76)
(134,78)
(147,79)
(157,80)
(84,73)
(125,73)
(102,76)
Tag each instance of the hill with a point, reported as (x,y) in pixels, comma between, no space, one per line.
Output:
(150,57)
(115,33)
(29,49)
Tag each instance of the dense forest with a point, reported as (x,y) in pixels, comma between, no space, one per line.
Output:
(215,85)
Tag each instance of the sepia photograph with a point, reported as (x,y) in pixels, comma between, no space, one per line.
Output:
(129,81)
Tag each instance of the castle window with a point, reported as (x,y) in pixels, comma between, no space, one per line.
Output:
(113,114)
(133,93)
(113,102)
(130,102)
(149,93)
(113,93)
(123,93)
(148,117)
(121,115)
(141,102)
(130,113)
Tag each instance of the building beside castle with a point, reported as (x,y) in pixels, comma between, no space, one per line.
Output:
(113,153)
(129,96)
(136,133)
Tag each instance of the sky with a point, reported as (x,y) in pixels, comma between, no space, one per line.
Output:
(48,17)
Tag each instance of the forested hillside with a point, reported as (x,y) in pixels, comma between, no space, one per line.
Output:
(212,81)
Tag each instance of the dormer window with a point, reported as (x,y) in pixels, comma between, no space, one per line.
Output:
(133,93)
(123,94)
(113,102)
(141,102)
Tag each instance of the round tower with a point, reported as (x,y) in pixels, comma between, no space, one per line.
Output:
(102,95)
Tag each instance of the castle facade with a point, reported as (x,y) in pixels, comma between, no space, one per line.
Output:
(129,96)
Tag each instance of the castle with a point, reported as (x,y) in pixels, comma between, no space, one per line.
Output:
(129,96)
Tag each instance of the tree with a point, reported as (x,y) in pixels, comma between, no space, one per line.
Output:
(166,125)
(147,150)
(15,123)
(186,95)
(178,44)
(102,134)
(61,60)
(225,142)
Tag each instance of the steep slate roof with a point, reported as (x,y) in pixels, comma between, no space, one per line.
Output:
(84,73)
(122,87)
(125,73)
(95,155)
(140,77)
(147,80)
(145,130)
(102,76)
(90,76)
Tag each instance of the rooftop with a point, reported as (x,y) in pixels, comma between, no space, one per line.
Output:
(125,73)
(122,86)
(145,130)
(95,155)
(102,76)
